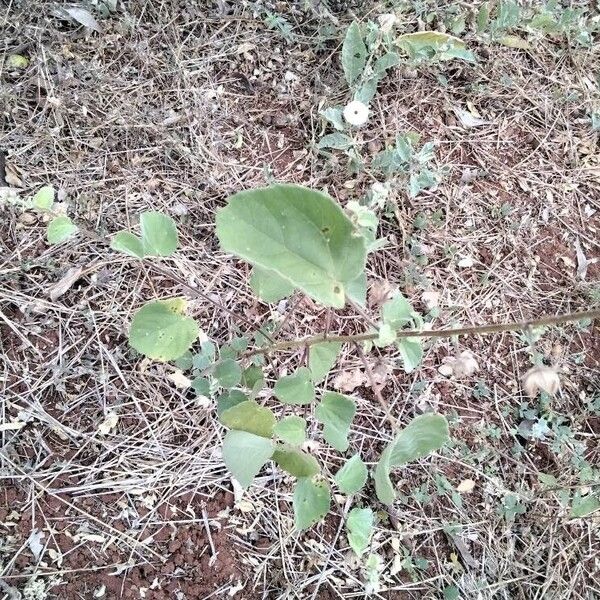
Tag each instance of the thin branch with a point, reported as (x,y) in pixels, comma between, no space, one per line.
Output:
(435,333)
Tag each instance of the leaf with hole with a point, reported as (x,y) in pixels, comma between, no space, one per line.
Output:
(296,388)
(251,417)
(296,462)
(354,53)
(227,373)
(359,526)
(352,476)
(291,430)
(269,286)
(336,412)
(423,435)
(44,198)
(301,234)
(311,502)
(161,331)
(321,358)
(245,454)
(60,229)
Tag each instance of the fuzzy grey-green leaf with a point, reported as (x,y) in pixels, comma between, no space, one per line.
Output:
(352,476)
(354,53)
(60,229)
(296,388)
(321,358)
(336,412)
(360,525)
(291,430)
(158,234)
(296,462)
(245,454)
(311,502)
(251,417)
(269,286)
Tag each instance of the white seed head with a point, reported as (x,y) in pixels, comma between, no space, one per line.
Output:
(356,113)
(463,365)
(386,22)
(541,379)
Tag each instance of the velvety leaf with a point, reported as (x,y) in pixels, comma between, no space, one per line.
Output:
(291,430)
(301,234)
(336,141)
(229,399)
(311,502)
(354,53)
(201,386)
(44,198)
(130,244)
(334,116)
(359,526)
(583,506)
(269,286)
(160,331)
(296,462)
(228,373)
(321,358)
(245,454)
(60,229)
(251,417)
(357,290)
(423,435)
(296,388)
(336,412)
(397,311)
(352,476)
(158,234)
(411,350)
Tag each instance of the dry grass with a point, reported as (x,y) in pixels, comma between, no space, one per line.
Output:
(164,111)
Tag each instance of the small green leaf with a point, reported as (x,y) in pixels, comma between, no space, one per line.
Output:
(411,350)
(354,53)
(311,502)
(321,358)
(386,335)
(385,62)
(424,434)
(291,430)
(245,454)
(514,41)
(60,229)
(483,17)
(160,331)
(229,399)
(251,417)
(201,386)
(269,286)
(296,388)
(584,506)
(159,234)
(397,311)
(360,525)
(301,234)
(228,373)
(253,379)
(357,289)
(334,116)
(366,92)
(352,476)
(17,61)
(432,44)
(203,359)
(44,198)
(185,361)
(451,593)
(296,462)
(336,141)
(126,242)
(336,412)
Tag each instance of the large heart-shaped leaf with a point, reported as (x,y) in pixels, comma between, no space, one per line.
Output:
(311,502)
(161,331)
(296,388)
(251,417)
(296,462)
(245,454)
(336,412)
(301,234)
(359,525)
(352,476)
(424,434)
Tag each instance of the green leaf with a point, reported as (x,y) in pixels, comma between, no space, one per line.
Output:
(296,388)
(185,361)
(514,41)
(386,335)
(291,430)
(451,593)
(337,141)
(268,286)
(44,198)
(296,462)
(430,44)
(411,350)
(582,507)
(352,476)
(424,434)
(354,53)
(160,331)
(336,412)
(228,373)
(397,312)
(229,399)
(245,454)
(60,229)
(251,417)
(203,359)
(321,358)
(483,17)
(201,386)
(385,62)
(311,502)
(159,234)
(253,379)
(357,289)
(360,525)
(334,116)
(16,61)
(366,92)
(301,234)
(126,242)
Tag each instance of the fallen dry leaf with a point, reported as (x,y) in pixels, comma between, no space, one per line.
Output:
(65,283)
(466,486)
(109,423)
(348,381)
(179,379)
(541,379)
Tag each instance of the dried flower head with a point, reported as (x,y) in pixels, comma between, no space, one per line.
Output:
(541,379)
(386,22)
(356,113)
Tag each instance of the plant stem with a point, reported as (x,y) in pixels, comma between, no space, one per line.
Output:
(435,333)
